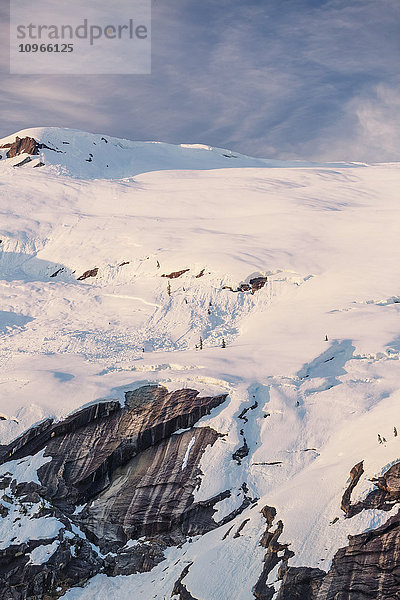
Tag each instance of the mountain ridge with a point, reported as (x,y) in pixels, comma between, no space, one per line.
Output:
(86,155)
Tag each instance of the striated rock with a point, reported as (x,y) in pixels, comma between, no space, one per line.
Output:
(84,458)
(135,477)
(153,494)
(89,273)
(175,274)
(89,447)
(35,439)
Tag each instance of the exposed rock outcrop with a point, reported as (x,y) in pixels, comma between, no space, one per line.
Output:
(275,553)
(386,494)
(355,475)
(175,274)
(257,283)
(369,566)
(153,494)
(26,145)
(89,273)
(254,284)
(132,477)
(72,563)
(179,590)
(301,583)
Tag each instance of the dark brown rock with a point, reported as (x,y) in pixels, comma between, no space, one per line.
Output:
(244,287)
(86,456)
(36,438)
(269,514)
(26,145)
(270,541)
(89,273)
(138,559)
(257,283)
(241,452)
(386,494)
(175,274)
(355,475)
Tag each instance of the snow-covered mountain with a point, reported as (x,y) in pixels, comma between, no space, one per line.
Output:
(269,287)
(92,156)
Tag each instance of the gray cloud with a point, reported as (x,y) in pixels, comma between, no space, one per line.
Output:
(283,79)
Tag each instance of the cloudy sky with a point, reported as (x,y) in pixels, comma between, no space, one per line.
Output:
(312,79)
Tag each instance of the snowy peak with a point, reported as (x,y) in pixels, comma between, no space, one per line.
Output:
(97,156)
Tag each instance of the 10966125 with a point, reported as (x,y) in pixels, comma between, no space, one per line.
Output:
(45,48)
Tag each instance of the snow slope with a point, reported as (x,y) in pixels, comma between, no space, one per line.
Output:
(327,239)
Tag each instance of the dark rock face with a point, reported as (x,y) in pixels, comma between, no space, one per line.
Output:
(89,273)
(176,274)
(254,284)
(301,583)
(180,589)
(369,567)
(270,541)
(386,494)
(133,472)
(355,475)
(89,446)
(21,579)
(257,283)
(160,497)
(23,162)
(26,145)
